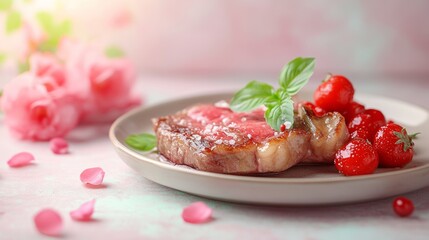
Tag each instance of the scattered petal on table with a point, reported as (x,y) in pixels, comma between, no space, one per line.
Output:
(48,222)
(84,212)
(59,146)
(92,176)
(197,212)
(20,159)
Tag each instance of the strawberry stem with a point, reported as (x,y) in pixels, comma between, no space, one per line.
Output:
(327,77)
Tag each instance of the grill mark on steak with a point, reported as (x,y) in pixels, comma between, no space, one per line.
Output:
(215,139)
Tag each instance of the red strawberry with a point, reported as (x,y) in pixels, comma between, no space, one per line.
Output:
(370,120)
(394,146)
(360,133)
(318,111)
(357,157)
(403,206)
(353,109)
(334,94)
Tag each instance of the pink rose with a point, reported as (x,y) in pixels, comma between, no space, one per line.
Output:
(104,85)
(59,91)
(110,85)
(76,54)
(43,64)
(37,110)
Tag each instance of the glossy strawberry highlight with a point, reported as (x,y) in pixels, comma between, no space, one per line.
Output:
(357,157)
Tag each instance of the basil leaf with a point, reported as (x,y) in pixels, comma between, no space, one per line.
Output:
(279,110)
(142,142)
(279,103)
(296,74)
(251,96)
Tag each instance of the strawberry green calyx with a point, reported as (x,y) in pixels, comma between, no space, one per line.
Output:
(407,140)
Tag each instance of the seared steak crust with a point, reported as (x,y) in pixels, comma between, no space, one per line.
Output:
(215,139)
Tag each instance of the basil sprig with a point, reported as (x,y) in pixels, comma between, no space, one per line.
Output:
(143,142)
(279,102)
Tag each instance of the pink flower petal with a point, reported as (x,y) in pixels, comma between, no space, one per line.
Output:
(59,146)
(92,176)
(48,222)
(20,159)
(197,212)
(35,109)
(84,212)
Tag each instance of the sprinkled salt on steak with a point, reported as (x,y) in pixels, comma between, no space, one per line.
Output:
(214,138)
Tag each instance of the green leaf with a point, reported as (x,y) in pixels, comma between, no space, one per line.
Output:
(54,32)
(55,35)
(3,57)
(13,22)
(142,142)
(279,103)
(63,29)
(114,52)
(276,97)
(5,5)
(47,46)
(279,110)
(46,21)
(251,96)
(23,66)
(296,74)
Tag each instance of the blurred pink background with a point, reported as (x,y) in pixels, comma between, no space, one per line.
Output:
(249,37)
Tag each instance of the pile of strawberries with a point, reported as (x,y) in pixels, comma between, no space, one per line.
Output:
(373,141)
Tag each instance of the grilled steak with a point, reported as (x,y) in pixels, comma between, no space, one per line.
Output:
(213,138)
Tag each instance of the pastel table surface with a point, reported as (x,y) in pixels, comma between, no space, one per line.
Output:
(131,207)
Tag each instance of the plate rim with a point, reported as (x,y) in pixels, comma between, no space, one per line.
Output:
(138,155)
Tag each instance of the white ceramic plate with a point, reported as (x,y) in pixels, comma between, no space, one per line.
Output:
(300,185)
